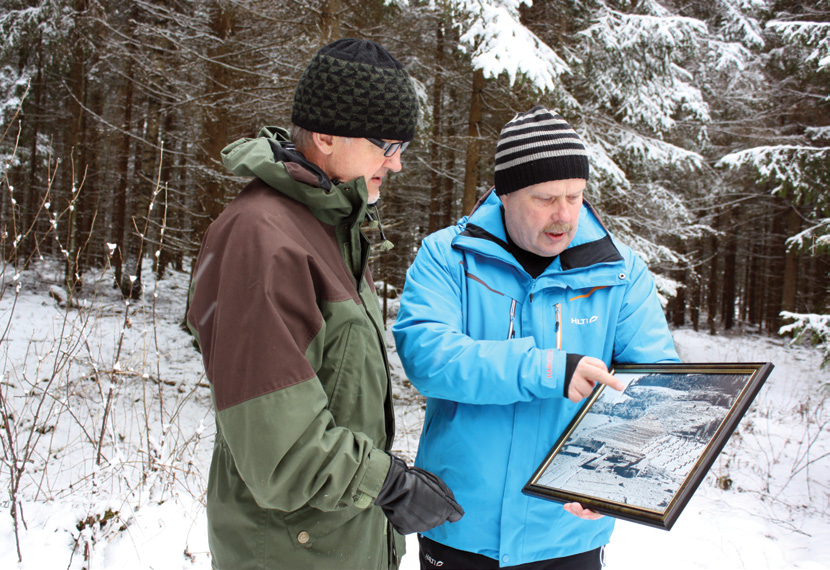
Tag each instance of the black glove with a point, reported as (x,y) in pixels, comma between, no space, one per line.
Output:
(415,500)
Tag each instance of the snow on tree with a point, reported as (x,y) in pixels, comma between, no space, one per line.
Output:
(812,35)
(799,172)
(499,43)
(810,328)
(740,21)
(645,117)
(642,79)
(12,86)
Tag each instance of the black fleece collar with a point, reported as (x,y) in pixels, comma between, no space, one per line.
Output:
(602,250)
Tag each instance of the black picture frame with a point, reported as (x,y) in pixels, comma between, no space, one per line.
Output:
(640,454)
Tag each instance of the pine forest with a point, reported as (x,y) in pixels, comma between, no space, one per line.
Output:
(708,125)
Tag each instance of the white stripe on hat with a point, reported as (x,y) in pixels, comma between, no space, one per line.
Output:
(551,135)
(537,156)
(513,126)
(550,145)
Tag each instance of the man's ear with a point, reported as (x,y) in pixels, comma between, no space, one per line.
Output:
(323,142)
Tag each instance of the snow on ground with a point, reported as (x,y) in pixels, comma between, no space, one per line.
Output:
(137,503)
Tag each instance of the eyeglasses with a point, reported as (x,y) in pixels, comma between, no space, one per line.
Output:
(389,148)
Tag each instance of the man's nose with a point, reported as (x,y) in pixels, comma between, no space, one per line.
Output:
(560,213)
(393,162)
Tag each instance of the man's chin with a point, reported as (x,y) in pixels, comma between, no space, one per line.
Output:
(374,193)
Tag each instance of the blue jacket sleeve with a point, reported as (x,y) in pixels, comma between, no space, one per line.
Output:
(642,334)
(442,362)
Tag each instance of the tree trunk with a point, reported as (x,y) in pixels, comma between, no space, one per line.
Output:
(119,216)
(77,86)
(33,200)
(775,272)
(436,183)
(450,154)
(329,21)
(163,252)
(677,304)
(215,122)
(474,143)
(145,184)
(790,285)
(819,300)
(729,270)
(712,287)
(87,250)
(448,208)
(693,284)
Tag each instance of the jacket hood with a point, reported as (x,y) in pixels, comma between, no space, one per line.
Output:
(272,158)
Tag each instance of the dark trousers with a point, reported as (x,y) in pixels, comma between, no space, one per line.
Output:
(436,556)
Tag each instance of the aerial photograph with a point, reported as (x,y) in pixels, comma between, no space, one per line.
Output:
(636,447)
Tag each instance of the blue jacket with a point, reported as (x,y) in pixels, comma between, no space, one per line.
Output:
(487,344)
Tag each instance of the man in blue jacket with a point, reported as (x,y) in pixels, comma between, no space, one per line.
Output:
(507,321)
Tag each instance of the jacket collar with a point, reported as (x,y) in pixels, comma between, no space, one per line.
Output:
(484,232)
(272,158)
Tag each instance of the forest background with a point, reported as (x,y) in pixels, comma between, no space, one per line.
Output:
(708,127)
(707,122)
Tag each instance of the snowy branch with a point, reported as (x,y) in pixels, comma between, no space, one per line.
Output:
(813,239)
(642,78)
(499,43)
(795,167)
(655,151)
(812,327)
(815,35)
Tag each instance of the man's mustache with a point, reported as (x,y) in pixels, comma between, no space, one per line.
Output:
(558,228)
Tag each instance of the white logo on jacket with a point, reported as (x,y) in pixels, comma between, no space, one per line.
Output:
(433,561)
(585,321)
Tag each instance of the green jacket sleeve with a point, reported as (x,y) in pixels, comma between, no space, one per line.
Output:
(289,452)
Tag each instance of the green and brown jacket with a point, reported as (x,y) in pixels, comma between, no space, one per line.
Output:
(292,339)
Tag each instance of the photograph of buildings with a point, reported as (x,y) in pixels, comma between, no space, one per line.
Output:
(636,447)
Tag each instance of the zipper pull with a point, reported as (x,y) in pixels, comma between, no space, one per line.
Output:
(558,307)
(510,332)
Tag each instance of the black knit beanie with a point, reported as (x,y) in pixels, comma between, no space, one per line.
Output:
(535,147)
(355,88)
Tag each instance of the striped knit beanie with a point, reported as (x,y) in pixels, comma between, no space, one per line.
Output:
(355,88)
(535,147)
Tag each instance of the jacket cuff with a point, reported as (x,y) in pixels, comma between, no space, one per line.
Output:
(571,361)
(373,478)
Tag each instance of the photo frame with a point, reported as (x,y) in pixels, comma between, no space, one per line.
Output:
(640,454)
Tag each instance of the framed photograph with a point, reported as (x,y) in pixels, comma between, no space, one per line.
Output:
(640,454)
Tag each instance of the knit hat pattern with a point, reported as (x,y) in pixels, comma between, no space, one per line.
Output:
(538,146)
(355,88)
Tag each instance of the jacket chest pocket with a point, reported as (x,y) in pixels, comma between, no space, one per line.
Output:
(585,318)
(496,318)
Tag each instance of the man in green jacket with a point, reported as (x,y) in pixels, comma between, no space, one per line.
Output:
(292,337)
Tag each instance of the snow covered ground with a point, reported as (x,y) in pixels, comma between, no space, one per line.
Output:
(129,372)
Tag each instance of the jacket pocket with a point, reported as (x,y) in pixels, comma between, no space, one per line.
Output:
(355,388)
(341,395)
(307,525)
(437,423)
(352,538)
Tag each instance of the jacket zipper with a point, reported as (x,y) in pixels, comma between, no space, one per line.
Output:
(511,333)
(558,307)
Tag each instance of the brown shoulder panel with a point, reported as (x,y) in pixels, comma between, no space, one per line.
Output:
(264,265)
